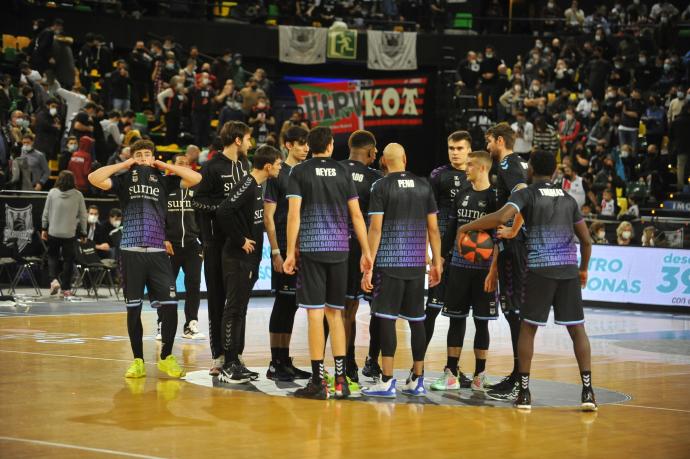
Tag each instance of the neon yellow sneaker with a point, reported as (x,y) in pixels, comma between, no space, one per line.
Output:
(170,367)
(136,369)
(330,380)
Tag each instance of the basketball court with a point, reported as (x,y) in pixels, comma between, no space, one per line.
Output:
(64,394)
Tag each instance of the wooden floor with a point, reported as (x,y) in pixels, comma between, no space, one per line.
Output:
(64,395)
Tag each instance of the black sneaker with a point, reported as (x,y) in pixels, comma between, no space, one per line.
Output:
(232,374)
(252,374)
(278,372)
(589,403)
(504,384)
(504,395)
(352,371)
(371,368)
(296,372)
(316,391)
(523,400)
(342,388)
(465,382)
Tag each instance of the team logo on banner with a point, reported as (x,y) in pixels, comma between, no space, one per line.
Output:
(342,44)
(302,45)
(391,50)
(348,105)
(19,225)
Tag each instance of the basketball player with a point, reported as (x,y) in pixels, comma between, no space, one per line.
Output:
(275,220)
(143,196)
(220,174)
(241,216)
(446,181)
(510,175)
(468,279)
(321,194)
(402,216)
(362,154)
(553,276)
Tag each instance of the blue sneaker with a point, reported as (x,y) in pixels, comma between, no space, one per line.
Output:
(381,389)
(414,388)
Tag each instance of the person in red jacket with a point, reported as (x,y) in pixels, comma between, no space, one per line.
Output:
(568,131)
(80,163)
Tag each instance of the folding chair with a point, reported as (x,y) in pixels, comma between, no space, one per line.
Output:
(25,266)
(93,270)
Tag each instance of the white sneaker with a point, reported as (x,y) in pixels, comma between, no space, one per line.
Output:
(217,366)
(159,337)
(54,287)
(446,382)
(414,388)
(191,331)
(479,382)
(381,389)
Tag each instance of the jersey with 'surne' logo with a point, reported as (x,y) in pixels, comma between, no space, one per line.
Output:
(325,187)
(405,201)
(550,214)
(144,199)
(445,182)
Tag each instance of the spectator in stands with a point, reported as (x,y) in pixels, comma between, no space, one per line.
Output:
(598,232)
(48,130)
(111,132)
(679,137)
(576,187)
(172,103)
(120,87)
(70,147)
(263,82)
(64,218)
(80,163)
(608,204)
(140,65)
(647,238)
(201,98)
(24,103)
(36,162)
(296,119)
(468,71)
(120,156)
(574,18)
(632,212)
(238,74)
(221,69)
(654,119)
(552,15)
(512,100)
(230,101)
(524,135)
(250,95)
(113,232)
(568,130)
(645,74)
(83,122)
(624,233)
(261,120)
(676,105)
(584,106)
(545,136)
(96,232)
(42,55)
(189,73)
(596,73)
(535,95)
(631,112)
(488,69)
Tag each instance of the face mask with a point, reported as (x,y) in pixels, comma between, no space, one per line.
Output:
(642,60)
(204,81)
(238,63)
(568,176)
(116,223)
(535,88)
(227,59)
(667,67)
(516,88)
(53,111)
(169,66)
(598,37)
(610,95)
(619,66)
(539,44)
(550,5)
(569,117)
(588,98)
(680,95)
(601,234)
(179,87)
(72,147)
(92,219)
(27,148)
(489,55)
(626,234)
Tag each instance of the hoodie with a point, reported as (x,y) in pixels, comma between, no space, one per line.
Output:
(64,214)
(80,163)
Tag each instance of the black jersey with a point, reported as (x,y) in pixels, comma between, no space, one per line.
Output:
(364,177)
(468,206)
(325,187)
(180,220)
(507,175)
(241,215)
(275,191)
(405,201)
(144,199)
(445,182)
(550,214)
(218,176)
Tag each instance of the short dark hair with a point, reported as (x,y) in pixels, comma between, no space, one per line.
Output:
(142,144)
(457,136)
(29,135)
(296,134)
(65,181)
(178,155)
(91,105)
(265,154)
(115,212)
(129,114)
(361,139)
(483,156)
(319,138)
(94,206)
(503,130)
(231,131)
(114,114)
(543,163)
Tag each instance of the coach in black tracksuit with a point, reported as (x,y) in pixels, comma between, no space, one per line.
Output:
(219,175)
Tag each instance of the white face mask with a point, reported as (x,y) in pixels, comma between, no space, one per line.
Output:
(92,219)
(601,234)
(569,117)
(116,223)
(72,147)
(26,148)
(53,111)
(626,234)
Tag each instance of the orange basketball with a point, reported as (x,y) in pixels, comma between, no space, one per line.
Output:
(476,246)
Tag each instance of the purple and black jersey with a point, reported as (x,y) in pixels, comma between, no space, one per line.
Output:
(363,177)
(144,199)
(445,183)
(405,201)
(276,189)
(468,206)
(550,214)
(507,175)
(325,187)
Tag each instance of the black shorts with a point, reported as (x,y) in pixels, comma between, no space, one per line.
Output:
(354,275)
(151,270)
(465,290)
(512,269)
(321,284)
(437,295)
(394,298)
(565,295)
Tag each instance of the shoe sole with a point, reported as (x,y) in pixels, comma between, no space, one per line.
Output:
(478,389)
(284,379)
(233,381)
(589,407)
(500,399)
(444,389)
(378,395)
(414,394)
(524,407)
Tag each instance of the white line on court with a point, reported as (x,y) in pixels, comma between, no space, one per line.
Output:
(82,357)
(82,448)
(649,407)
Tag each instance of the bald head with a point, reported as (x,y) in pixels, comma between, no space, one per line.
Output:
(394,157)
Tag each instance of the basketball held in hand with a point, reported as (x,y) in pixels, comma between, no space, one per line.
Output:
(476,246)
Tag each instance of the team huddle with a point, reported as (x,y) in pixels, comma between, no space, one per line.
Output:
(341,231)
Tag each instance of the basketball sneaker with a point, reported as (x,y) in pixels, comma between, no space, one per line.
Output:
(54,287)
(313,390)
(381,389)
(232,373)
(253,374)
(159,337)
(352,370)
(414,388)
(446,382)
(504,384)
(479,382)
(170,367)
(278,372)
(505,395)
(589,403)
(136,369)
(341,388)
(217,366)
(371,368)
(191,331)
(523,400)
(296,372)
